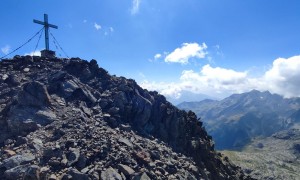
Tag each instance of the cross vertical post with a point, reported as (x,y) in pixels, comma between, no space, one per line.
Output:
(46,26)
(46,31)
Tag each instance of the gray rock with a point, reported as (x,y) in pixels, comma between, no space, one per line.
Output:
(36,144)
(126,170)
(50,152)
(143,176)
(23,172)
(73,156)
(70,143)
(125,127)
(83,94)
(44,117)
(44,172)
(26,118)
(4,77)
(20,140)
(17,160)
(110,174)
(93,62)
(54,162)
(26,69)
(58,76)
(69,87)
(171,169)
(85,170)
(155,154)
(20,120)
(125,142)
(34,94)
(87,111)
(143,108)
(66,177)
(8,141)
(12,80)
(120,100)
(76,175)
(142,157)
(189,176)
(52,177)
(81,163)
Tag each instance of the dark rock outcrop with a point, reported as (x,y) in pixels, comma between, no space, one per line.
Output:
(79,122)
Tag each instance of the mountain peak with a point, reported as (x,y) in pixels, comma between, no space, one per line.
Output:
(230,119)
(254,91)
(71,118)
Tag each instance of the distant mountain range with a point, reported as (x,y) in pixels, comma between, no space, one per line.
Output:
(237,119)
(187,96)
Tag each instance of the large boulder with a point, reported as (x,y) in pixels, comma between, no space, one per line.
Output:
(26,172)
(76,175)
(16,161)
(24,119)
(30,109)
(34,94)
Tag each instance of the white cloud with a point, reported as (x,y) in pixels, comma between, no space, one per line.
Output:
(5,50)
(97,26)
(85,21)
(220,75)
(135,6)
(215,82)
(167,89)
(108,31)
(157,56)
(183,54)
(283,78)
(34,53)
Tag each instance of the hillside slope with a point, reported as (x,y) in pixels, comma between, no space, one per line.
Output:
(275,157)
(70,119)
(235,120)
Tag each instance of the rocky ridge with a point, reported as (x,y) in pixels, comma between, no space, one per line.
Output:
(70,119)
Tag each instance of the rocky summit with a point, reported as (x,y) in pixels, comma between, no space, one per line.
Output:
(69,119)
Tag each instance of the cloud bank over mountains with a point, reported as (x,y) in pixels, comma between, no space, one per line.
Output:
(283,77)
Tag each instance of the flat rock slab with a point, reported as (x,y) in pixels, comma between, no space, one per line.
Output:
(17,160)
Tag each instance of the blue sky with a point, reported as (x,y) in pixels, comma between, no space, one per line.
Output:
(203,46)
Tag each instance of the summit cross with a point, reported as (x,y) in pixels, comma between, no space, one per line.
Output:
(46,26)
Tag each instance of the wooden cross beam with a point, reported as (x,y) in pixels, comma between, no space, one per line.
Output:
(46,25)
